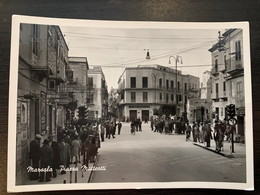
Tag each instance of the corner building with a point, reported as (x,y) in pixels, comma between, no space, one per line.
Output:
(144,90)
(228,77)
(43,59)
(97,93)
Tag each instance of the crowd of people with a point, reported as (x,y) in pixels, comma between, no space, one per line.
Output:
(74,144)
(136,125)
(205,132)
(167,125)
(202,132)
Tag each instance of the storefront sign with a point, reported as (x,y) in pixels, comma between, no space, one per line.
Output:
(139,106)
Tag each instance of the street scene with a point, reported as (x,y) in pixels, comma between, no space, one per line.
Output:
(130,105)
(148,156)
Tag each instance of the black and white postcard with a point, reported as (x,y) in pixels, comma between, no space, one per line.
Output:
(129,105)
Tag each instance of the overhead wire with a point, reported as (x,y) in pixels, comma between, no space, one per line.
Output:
(159,56)
(132,37)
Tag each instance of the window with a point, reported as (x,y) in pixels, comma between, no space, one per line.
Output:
(180,98)
(217,111)
(239,92)
(238,51)
(225,61)
(145,82)
(145,96)
(51,84)
(185,87)
(35,45)
(160,83)
(90,82)
(133,97)
(91,98)
(216,90)
(133,82)
(161,96)
(224,86)
(172,84)
(216,65)
(70,76)
(172,97)
(167,84)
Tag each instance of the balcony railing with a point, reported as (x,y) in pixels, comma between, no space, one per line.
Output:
(61,71)
(234,65)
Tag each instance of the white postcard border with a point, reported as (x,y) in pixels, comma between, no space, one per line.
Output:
(17,19)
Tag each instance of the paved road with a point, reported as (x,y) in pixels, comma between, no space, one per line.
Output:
(153,157)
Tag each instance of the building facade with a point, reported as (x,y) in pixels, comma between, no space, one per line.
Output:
(228,76)
(43,58)
(97,94)
(147,90)
(199,105)
(78,79)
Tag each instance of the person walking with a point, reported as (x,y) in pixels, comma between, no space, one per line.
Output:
(113,129)
(46,160)
(208,135)
(195,132)
(102,134)
(93,149)
(140,124)
(34,155)
(152,123)
(56,155)
(64,155)
(107,130)
(75,150)
(132,126)
(119,126)
(188,131)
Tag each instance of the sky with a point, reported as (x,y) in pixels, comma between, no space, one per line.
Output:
(116,48)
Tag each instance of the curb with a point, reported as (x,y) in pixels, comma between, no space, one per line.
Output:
(219,153)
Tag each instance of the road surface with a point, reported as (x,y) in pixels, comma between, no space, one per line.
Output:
(148,156)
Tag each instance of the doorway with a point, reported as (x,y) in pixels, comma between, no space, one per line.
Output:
(133,115)
(145,115)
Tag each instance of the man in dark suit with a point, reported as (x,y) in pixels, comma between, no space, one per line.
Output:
(34,154)
(56,155)
(46,160)
(119,126)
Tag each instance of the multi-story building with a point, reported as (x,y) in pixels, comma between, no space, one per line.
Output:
(113,103)
(97,93)
(146,89)
(199,105)
(43,58)
(78,79)
(228,76)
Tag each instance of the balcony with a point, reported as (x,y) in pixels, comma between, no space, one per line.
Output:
(215,71)
(215,96)
(62,98)
(234,66)
(61,72)
(192,90)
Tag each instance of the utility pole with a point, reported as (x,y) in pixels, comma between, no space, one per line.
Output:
(176,58)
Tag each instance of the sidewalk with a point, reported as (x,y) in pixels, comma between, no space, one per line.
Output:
(239,149)
(69,177)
